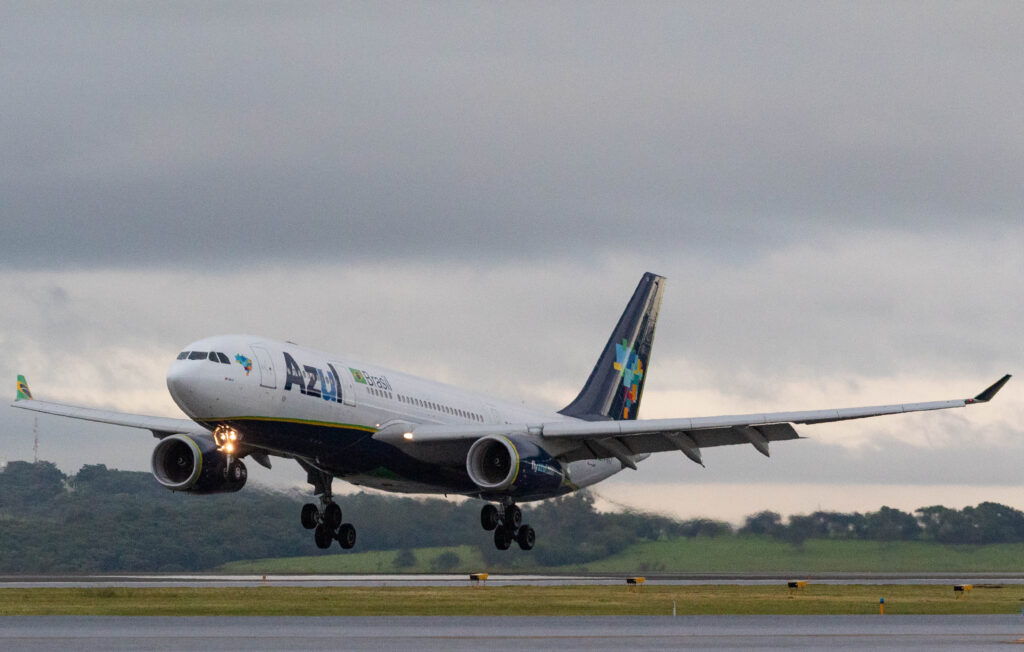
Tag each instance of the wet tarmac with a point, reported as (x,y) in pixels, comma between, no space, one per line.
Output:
(224,581)
(39,633)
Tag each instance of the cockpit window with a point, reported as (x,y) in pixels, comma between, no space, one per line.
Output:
(183,355)
(197,355)
(223,358)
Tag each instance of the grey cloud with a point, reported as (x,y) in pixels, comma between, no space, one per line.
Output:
(142,136)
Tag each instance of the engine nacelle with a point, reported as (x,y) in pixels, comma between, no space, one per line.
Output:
(515,467)
(192,463)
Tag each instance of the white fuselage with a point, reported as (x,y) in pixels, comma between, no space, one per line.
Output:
(298,402)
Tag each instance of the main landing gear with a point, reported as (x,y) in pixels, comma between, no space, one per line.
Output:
(508,526)
(325,521)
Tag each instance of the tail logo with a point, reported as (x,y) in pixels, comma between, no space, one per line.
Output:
(632,369)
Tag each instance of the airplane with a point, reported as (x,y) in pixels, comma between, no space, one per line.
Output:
(341,418)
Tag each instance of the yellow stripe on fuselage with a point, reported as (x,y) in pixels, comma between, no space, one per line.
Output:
(305,422)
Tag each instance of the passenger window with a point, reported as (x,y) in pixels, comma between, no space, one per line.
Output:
(183,355)
(197,355)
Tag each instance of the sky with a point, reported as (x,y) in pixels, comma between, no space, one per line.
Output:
(471,191)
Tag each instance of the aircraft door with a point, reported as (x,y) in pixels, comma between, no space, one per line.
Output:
(268,378)
(348,384)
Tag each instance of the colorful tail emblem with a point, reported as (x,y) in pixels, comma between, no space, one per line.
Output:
(23,391)
(245,362)
(632,368)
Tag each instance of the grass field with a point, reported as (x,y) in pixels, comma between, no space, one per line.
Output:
(508,601)
(699,555)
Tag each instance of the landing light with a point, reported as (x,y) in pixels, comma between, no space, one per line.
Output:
(226,438)
(407,436)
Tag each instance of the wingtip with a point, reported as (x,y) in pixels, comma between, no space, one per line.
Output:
(24,394)
(991,391)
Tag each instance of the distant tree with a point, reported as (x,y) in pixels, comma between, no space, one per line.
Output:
(404,559)
(995,523)
(799,529)
(765,522)
(446,561)
(944,525)
(888,524)
(701,527)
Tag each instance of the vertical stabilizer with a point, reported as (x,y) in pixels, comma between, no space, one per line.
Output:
(616,384)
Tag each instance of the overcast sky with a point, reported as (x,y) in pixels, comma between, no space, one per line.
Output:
(471,191)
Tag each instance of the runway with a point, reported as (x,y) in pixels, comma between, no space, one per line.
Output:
(51,633)
(226,581)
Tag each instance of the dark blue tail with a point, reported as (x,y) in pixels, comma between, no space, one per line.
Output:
(616,384)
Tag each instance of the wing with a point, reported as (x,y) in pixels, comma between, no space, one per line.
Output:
(626,439)
(160,426)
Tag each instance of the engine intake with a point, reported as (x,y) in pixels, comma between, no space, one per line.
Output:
(193,463)
(512,466)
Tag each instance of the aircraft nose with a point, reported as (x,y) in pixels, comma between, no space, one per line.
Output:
(181,383)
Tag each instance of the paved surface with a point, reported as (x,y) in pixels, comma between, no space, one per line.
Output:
(38,633)
(196,580)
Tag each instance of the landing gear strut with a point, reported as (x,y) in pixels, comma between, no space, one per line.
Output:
(325,520)
(508,526)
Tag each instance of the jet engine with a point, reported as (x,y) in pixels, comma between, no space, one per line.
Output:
(194,464)
(512,466)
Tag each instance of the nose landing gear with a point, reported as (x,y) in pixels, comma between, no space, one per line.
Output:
(326,520)
(508,526)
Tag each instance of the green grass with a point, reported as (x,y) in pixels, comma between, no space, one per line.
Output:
(764,555)
(699,555)
(508,601)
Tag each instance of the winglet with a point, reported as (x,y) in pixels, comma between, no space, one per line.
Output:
(989,393)
(24,394)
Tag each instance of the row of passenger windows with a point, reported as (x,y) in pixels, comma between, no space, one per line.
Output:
(438,407)
(212,356)
(427,405)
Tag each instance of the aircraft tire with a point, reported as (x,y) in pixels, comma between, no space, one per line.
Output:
(309,516)
(332,515)
(526,537)
(502,538)
(346,536)
(323,536)
(513,517)
(489,517)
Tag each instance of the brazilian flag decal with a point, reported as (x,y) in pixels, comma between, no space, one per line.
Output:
(358,375)
(23,390)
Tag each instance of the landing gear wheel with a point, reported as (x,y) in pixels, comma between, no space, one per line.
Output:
(502,539)
(489,518)
(309,516)
(526,537)
(236,472)
(513,517)
(323,537)
(346,536)
(332,515)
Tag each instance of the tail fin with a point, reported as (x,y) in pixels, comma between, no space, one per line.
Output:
(24,394)
(616,384)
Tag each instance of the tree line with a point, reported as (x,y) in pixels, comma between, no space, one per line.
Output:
(985,523)
(104,520)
